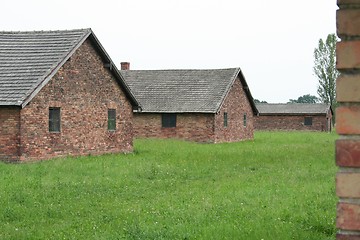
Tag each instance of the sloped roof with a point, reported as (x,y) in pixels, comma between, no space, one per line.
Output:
(28,60)
(180,91)
(292,108)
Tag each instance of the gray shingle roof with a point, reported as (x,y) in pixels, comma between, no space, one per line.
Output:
(292,108)
(28,60)
(179,91)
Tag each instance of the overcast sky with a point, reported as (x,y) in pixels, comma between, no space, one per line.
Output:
(271,41)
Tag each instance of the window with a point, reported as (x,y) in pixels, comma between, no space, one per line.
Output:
(244,120)
(225,119)
(308,121)
(111,119)
(54,119)
(168,120)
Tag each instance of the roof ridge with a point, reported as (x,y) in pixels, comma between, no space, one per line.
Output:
(289,103)
(184,69)
(47,31)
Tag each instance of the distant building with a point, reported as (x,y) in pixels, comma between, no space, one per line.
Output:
(294,116)
(60,94)
(212,105)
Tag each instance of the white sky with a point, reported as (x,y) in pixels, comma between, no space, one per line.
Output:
(271,41)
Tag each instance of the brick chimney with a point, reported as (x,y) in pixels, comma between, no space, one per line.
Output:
(125,65)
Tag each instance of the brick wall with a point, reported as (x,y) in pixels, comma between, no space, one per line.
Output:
(189,126)
(84,90)
(201,127)
(348,120)
(9,133)
(289,123)
(236,105)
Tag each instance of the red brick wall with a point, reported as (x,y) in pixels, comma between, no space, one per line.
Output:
(348,120)
(236,105)
(203,127)
(9,133)
(189,126)
(289,123)
(84,90)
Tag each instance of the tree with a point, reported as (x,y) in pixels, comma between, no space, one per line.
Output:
(325,69)
(258,101)
(305,99)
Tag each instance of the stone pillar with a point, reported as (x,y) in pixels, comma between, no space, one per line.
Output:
(348,120)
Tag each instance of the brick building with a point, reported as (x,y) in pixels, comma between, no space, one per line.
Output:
(197,105)
(60,95)
(294,116)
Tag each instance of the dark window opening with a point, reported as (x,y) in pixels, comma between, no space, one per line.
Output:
(225,119)
(244,120)
(168,120)
(308,121)
(112,119)
(54,119)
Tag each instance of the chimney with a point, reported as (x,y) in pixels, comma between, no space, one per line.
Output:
(125,65)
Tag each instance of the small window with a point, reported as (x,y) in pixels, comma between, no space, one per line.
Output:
(308,121)
(54,119)
(168,120)
(225,119)
(111,119)
(244,120)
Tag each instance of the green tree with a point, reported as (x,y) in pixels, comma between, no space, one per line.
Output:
(305,99)
(258,101)
(325,69)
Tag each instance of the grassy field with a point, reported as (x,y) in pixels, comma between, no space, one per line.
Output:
(279,186)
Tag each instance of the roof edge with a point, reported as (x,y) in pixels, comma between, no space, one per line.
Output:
(177,112)
(227,90)
(292,114)
(248,94)
(55,69)
(47,77)
(272,113)
(245,86)
(112,67)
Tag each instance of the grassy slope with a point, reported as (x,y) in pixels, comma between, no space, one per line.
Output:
(280,186)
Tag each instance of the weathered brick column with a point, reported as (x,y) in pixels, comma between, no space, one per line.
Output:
(348,120)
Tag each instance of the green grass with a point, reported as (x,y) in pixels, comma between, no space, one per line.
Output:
(279,186)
